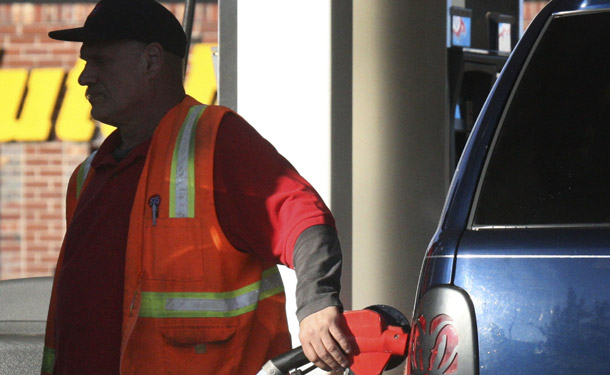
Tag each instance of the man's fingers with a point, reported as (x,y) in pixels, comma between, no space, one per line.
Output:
(335,352)
(326,354)
(343,340)
(315,358)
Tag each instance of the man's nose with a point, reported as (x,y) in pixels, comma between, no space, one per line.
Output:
(86,77)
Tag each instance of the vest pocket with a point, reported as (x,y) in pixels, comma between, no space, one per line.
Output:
(200,349)
(193,336)
(173,250)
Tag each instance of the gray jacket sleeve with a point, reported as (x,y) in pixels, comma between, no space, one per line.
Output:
(317,262)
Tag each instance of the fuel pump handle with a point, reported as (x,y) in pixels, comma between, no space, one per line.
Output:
(380,334)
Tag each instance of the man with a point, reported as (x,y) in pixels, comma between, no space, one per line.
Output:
(176,223)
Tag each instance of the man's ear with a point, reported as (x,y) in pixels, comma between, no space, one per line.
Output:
(154,55)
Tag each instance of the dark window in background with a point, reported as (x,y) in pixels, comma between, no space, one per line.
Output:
(551,160)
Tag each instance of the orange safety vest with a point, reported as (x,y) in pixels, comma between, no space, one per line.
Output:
(193,304)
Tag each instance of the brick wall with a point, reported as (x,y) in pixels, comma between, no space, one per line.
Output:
(33,178)
(24,27)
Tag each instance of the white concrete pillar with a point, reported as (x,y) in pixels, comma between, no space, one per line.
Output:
(400,144)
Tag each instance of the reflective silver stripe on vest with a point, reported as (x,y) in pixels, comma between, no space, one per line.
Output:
(83,171)
(229,304)
(182,183)
(225,304)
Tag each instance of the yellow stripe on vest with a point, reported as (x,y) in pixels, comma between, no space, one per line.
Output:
(48,360)
(208,305)
(182,180)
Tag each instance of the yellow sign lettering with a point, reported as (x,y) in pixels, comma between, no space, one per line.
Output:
(200,82)
(12,88)
(34,124)
(74,121)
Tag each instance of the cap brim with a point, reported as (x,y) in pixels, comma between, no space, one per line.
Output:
(78,34)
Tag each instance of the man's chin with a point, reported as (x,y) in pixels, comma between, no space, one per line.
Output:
(101,116)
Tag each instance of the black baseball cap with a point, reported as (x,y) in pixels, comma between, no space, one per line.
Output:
(143,20)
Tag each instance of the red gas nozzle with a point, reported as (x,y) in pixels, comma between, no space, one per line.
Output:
(379,334)
(379,344)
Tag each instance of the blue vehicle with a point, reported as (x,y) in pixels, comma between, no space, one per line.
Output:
(517,277)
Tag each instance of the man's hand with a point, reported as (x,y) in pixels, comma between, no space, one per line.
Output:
(324,340)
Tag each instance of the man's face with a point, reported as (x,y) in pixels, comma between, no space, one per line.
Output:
(114,76)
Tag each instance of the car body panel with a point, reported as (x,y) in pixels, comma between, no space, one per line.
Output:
(537,299)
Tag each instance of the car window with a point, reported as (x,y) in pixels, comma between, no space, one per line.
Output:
(550,161)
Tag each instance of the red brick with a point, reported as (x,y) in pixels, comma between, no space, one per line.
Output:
(57,216)
(38,254)
(11,52)
(18,43)
(36,162)
(11,205)
(50,148)
(8,216)
(36,184)
(51,238)
(9,248)
(8,29)
(38,14)
(37,227)
(31,148)
(37,28)
(49,259)
(35,206)
(51,195)
(52,173)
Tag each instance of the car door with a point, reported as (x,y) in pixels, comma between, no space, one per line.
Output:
(535,256)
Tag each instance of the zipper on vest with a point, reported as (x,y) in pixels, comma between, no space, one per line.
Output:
(154,202)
